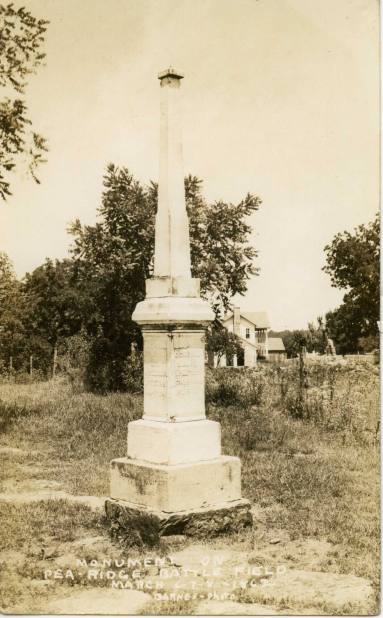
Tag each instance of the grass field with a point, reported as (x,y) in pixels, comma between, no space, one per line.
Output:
(308,444)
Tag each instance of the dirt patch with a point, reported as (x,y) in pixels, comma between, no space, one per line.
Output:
(231,608)
(330,591)
(98,601)
(33,490)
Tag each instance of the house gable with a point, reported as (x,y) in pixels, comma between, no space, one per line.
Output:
(248,330)
(256,319)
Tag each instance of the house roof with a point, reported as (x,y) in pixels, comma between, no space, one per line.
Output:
(276,345)
(258,318)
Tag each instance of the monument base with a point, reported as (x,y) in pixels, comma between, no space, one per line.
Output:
(147,525)
(174,443)
(173,488)
(149,500)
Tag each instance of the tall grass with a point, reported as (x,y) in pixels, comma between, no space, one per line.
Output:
(310,457)
(334,395)
(77,428)
(314,473)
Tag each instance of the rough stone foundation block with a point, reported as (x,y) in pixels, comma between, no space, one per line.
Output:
(176,487)
(174,443)
(149,525)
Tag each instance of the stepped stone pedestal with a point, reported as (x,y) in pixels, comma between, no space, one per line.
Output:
(174,478)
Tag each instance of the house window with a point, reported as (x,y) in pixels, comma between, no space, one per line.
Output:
(247,333)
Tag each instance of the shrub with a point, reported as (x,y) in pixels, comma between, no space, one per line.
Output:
(133,374)
(232,386)
(74,357)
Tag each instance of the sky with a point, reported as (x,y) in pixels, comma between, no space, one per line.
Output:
(280,99)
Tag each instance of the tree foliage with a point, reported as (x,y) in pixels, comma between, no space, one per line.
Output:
(21,42)
(312,339)
(37,314)
(294,341)
(52,302)
(353,265)
(86,302)
(12,332)
(317,340)
(220,342)
(220,254)
(113,258)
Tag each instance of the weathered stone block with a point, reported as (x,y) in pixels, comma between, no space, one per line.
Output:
(187,287)
(126,518)
(173,310)
(174,443)
(174,375)
(178,487)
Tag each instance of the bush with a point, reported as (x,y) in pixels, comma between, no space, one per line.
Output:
(133,374)
(106,365)
(74,358)
(231,386)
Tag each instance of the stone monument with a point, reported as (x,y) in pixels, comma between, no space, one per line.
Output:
(174,472)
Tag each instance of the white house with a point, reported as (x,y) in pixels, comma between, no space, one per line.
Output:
(252,328)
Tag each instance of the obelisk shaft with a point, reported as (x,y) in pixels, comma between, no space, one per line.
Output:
(174,471)
(172,244)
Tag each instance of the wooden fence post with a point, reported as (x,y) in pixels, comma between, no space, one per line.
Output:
(54,360)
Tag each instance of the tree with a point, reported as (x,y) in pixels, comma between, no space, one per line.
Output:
(344,327)
(53,303)
(53,309)
(294,341)
(113,258)
(111,262)
(353,265)
(220,342)
(220,255)
(21,40)
(11,313)
(317,336)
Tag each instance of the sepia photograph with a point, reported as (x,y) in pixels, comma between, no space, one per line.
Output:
(190,307)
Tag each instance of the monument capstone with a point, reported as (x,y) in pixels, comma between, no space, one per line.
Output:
(174,471)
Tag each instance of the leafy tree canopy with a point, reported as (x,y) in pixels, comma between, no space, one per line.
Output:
(113,258)
(21,42)
(220,342)
(353,265)
(313,338)
(11,311)
(52,310)
(38,313)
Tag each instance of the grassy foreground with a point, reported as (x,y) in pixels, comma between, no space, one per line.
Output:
(310,456)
